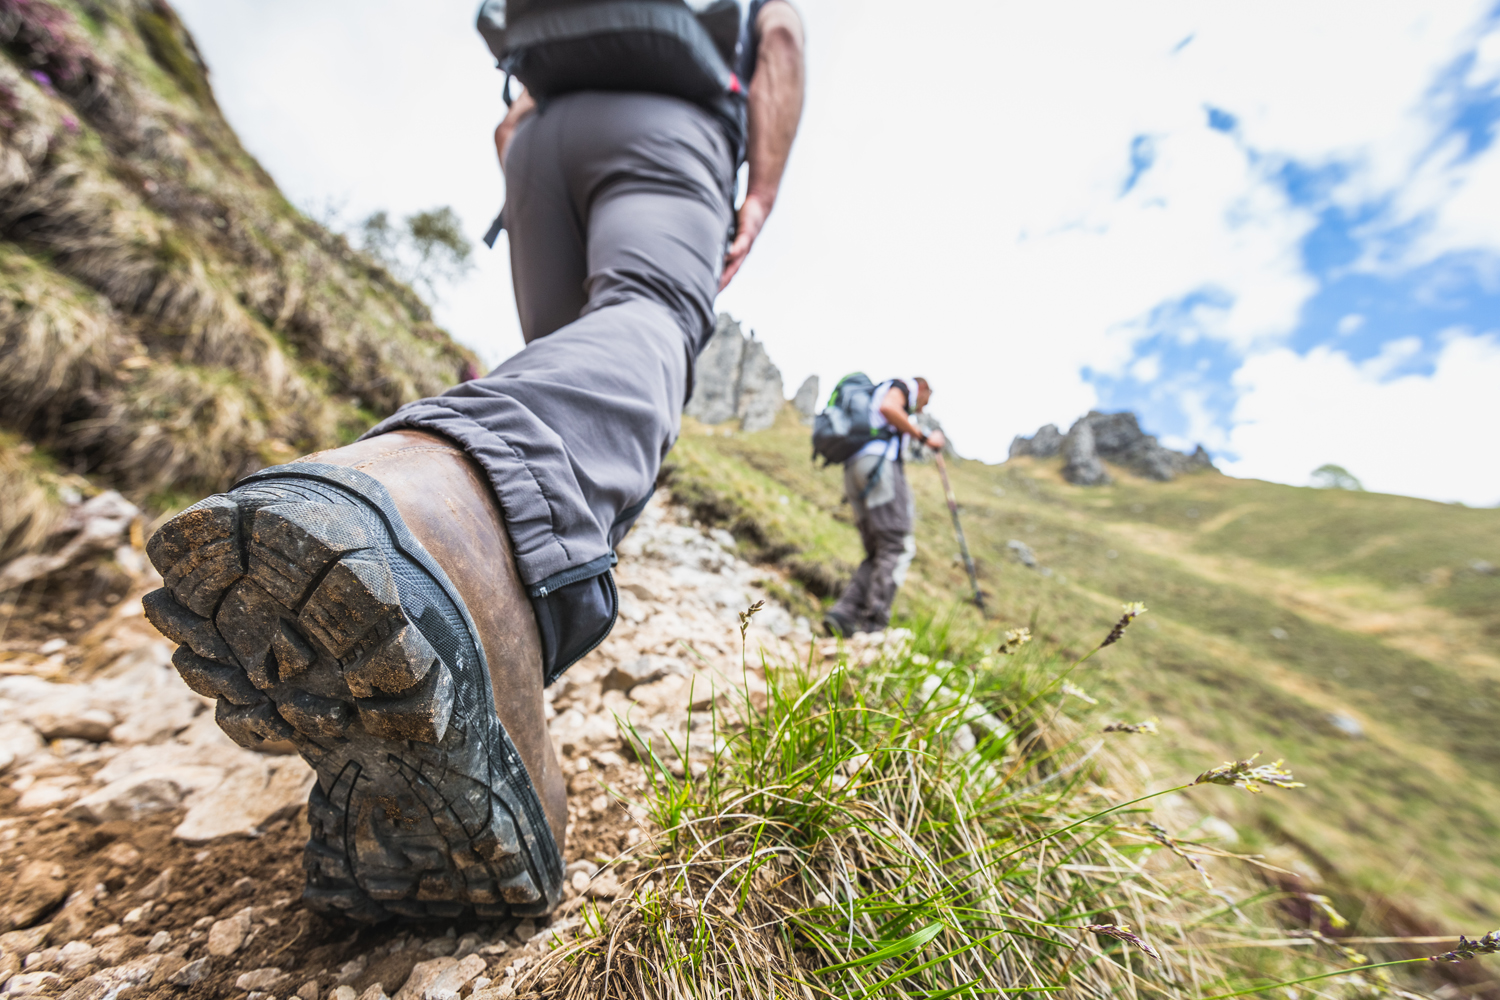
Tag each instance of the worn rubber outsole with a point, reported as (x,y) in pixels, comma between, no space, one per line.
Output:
(304,606)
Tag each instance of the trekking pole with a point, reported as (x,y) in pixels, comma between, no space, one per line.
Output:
(958,529)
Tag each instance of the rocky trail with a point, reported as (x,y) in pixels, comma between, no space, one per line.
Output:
(143,854)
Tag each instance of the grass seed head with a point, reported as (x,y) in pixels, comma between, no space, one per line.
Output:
(1069,687)
(1147,728)
(1122,932)
(1487,945)
(1133,610)
(1248,775)
(1014,639)
(748,614)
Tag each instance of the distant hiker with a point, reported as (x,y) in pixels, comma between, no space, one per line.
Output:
(875,482)
(395,607)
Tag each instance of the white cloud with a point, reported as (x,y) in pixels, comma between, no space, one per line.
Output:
(1298,412)
(953,204)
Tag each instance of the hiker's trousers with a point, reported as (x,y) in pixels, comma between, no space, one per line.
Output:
(618,210)
(884,514)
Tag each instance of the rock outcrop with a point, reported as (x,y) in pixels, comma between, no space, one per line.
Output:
(1113,437)
(734,379)
(806,400)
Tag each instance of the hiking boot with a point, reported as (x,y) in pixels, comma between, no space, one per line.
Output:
(362,603)
(836,627)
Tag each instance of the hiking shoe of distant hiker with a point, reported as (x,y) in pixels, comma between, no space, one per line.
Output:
(305,604)
(836,627)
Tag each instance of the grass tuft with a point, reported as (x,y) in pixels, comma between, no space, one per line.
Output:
(908,827)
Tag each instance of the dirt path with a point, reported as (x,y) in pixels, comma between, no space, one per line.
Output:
(142,854)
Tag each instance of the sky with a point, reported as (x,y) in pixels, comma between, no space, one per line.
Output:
(1272,228)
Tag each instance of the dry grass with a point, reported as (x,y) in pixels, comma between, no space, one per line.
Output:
(32,503)
(169,322)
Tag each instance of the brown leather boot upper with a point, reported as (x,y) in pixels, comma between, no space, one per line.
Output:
(448,505)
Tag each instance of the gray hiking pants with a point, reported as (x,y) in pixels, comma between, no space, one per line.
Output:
(618,209)
(884,515)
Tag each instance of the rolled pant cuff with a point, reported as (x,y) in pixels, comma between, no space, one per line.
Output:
(567,576)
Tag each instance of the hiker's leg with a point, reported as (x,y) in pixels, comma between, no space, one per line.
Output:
(847,612)
(572,430)
(548,239)
(890,525)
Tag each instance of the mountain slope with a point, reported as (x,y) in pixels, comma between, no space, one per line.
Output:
(168,322)
(1282,620)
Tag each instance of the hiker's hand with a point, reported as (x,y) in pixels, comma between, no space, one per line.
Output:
(935,440)
(506,130)
(748,222)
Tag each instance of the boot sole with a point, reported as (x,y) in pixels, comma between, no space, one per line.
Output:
(301,602)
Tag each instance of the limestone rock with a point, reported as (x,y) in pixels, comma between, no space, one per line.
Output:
(1081,460)
(99,524)
(144,793)
(440,978)
(760,394)
(226,936)
(735,379)
(32,984)
(716,375)
(18,741)
(73,719)
(1116,437)
(192,973)
(806,399)
(249,798)
(624,676)
(40,886)
(576,732)
(260,979)
(1045,443)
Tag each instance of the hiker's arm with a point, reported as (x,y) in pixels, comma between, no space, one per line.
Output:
(775,108)
(506,130)
(893,408)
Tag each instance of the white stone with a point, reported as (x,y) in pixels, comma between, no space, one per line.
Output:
(260,979)
(76,955)
(247,800)
(624,676)
(194,972)
(48,794)
(342,993)
(446,983)
(31,984)
(350,971)
(144,793)
(121,854)
(226,936)
(19,742)
(73,721)
(578,733)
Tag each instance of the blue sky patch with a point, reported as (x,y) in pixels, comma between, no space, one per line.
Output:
(1367,303)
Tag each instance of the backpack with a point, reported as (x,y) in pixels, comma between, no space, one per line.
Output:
(683,48)
(844,425)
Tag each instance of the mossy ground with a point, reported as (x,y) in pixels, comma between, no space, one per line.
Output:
(1272,609)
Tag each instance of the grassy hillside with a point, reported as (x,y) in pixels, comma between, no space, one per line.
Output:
(168,322)
(1274,609)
